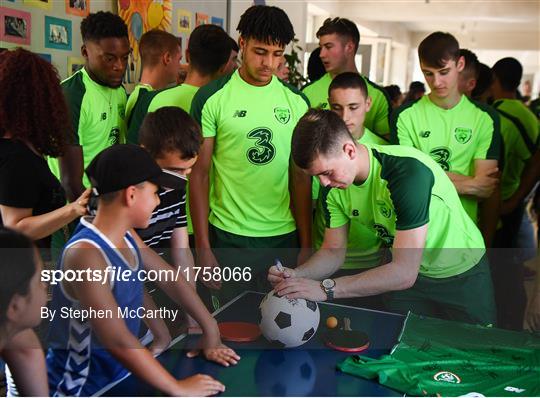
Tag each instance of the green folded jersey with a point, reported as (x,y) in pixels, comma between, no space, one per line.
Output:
(445,358)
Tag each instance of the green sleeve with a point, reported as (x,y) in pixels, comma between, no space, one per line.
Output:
(400,129)
(138,113)
(490,135)
(334,213)
(201,109)
(382,108)
(74,90)
(410,183)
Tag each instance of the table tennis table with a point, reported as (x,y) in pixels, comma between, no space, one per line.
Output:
(308,370)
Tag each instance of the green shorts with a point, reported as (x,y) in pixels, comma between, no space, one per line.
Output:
(238,252)
(467,297)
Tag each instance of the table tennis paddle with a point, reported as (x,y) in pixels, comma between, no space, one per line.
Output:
(239,332)
(346,339)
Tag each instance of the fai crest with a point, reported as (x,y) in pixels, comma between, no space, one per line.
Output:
(447,377)
(283,115)
(385,210)
(462,135)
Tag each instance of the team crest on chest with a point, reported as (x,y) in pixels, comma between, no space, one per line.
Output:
(462,134)
(384,209)
(283,115)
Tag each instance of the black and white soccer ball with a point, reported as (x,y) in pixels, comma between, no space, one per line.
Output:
(286,322)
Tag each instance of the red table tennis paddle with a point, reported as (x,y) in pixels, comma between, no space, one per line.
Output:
(239,332)
(346,339)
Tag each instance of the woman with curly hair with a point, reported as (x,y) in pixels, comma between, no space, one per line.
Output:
(33,124)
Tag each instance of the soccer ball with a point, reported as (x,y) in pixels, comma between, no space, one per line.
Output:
(288,322)
(280,373)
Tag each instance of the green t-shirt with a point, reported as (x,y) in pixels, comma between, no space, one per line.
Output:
(252,129)
(97,115)
(406,189)
(134,97)
(435,357)
(150,101)
(454,138)
(519,131)
(376,118)
(363,244)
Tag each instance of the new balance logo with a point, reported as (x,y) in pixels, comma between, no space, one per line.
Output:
(240,114)
(104,116)
(425,134)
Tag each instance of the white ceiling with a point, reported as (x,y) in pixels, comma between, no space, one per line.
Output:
(492,23)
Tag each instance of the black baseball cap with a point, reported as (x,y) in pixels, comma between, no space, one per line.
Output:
(124,165)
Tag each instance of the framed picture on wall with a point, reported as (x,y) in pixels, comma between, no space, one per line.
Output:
(184,21)
(74,64)
(46,4)
(78,7)
(15,26)
(57,33)
(217,21)
(201,19)
(46,57)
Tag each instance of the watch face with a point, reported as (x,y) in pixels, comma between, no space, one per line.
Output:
(328,283)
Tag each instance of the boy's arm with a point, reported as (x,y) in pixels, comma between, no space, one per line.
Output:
(199,208)
(300,191)
(183,293)
(162,337)
(26,362)
(71,171)
(488,216)
(529,178)
(113,333)
(181,253)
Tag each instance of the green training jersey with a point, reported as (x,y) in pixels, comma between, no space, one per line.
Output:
(406,189)
(435,357)
(97,115)
(179,96)
(134,97)
(252,130)
(363,244)
(376,118)
(455,137)
(519,131)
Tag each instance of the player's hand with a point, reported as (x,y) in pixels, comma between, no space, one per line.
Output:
(198,386)
(532,315)
(301,288)
(161,341)
(223,355)
(79,206)
(207,260)
(485,184)
(275,276)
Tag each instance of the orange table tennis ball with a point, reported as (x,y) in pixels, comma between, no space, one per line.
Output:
(331,322)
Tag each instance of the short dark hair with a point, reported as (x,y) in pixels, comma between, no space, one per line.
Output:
(438,48)
(471,62)
(393,91)
(342,27)
(154,44)
(483,81)
(209,49)
(266,24)
(170,129)
(315,67)
(103,25)
(349,80)
(234,45)
(508,72)
(318,132)
(17,267)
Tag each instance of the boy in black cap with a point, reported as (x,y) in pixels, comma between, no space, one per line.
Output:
(97,342)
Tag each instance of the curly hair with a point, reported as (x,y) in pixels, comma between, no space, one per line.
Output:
(266,24)
(102,25)
(32,105)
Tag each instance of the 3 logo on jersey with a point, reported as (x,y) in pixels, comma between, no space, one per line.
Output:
(264,151)
(442,156)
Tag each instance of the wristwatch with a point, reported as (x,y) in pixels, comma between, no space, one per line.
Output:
(328,285)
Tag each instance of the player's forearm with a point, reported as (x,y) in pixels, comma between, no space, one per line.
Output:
(489,217)
(529,177)
(301,197)
(72,171)
(464,184)
(26,361)
(322,264)
(199,207)
(156,325)
(381,279)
